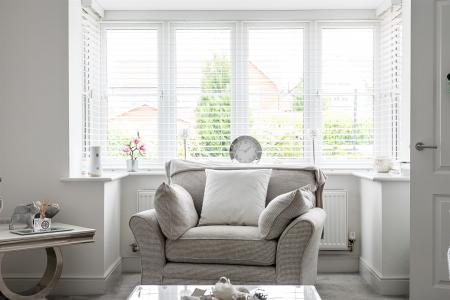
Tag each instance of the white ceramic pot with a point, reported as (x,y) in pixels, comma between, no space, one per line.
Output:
(382,164)
(95,162)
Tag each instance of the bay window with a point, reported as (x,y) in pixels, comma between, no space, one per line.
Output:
(307,91)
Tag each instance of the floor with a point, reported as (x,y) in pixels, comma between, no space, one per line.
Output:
(329,286)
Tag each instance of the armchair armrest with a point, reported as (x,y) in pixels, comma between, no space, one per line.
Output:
(298,249)
(151,242)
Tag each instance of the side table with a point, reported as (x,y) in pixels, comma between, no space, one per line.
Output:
(10,242)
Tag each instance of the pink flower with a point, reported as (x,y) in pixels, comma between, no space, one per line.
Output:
(136,141)
(142,148)
(126,149)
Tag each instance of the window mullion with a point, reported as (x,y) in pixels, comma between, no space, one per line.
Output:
(239,118)
(311,106)
(167,117)
(317,113)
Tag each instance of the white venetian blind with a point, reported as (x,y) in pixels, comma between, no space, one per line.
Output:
(387,108)
(284,83)
(91,98)
(275,85)
(132,91)
(346,94)
(203,91)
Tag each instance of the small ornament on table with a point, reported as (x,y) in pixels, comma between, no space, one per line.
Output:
(259,294)
(224,290)
(23,216)
(43,221)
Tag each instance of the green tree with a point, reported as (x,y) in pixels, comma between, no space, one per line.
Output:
(298,102)
(213,111)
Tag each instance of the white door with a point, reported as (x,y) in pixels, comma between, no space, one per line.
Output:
(430,169)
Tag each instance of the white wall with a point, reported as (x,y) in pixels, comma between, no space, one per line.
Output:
(34,136)
(371,213)
(385,214)
(111,221)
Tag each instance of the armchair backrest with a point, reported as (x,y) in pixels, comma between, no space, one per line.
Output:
(191,176)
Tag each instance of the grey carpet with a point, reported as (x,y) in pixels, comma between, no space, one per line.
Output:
(329,286)
(347,287)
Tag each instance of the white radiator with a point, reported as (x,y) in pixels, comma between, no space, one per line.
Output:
(145,200)
(336,227)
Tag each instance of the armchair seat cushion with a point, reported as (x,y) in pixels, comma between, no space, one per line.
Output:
(185,273)
(222,244)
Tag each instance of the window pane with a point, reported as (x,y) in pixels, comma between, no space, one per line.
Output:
(275,72)
(132,89)
(347,93)
(203,91)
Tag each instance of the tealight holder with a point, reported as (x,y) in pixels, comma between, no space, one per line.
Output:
(42,224)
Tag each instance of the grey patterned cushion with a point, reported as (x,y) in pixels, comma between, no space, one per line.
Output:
(282,209)
(175,210)
(222,244)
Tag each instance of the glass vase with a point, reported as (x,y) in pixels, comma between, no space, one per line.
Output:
(132,165)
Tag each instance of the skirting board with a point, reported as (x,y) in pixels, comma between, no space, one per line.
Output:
(131,264)
(72,286)
(330,262)
(388,286)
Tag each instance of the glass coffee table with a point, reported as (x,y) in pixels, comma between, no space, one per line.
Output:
(176,292)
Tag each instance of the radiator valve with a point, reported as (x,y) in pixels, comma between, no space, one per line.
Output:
(351,240)
(134,247)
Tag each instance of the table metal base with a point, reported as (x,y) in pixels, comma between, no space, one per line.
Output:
(47,282)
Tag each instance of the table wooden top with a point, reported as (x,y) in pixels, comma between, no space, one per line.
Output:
(14,242)
(176,292)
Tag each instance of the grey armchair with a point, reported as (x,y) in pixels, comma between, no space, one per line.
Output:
(205,253)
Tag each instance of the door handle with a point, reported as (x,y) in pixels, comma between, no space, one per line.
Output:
(421,146)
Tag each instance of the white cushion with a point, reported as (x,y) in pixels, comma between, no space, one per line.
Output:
(234,197)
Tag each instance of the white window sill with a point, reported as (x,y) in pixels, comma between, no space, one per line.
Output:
(157,172)
(110,175)
(106,176)
(373,176)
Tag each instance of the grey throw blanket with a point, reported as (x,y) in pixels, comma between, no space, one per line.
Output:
(176,166)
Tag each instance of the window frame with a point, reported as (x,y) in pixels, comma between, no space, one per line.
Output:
(307,118)
(352,164)
(104,27)
(172,28)
(239,53)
